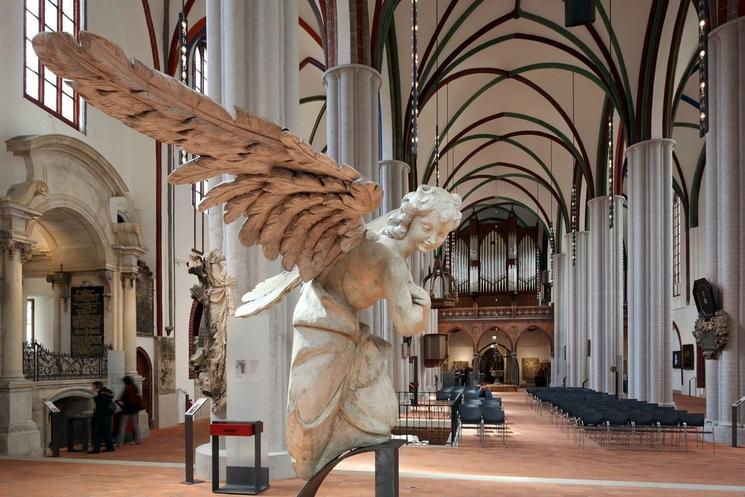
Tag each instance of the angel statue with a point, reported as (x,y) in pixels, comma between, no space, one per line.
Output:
(215,293)
(298,205)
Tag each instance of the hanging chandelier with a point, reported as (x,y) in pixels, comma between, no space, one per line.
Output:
(439,282)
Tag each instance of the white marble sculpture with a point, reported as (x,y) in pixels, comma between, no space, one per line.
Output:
(215,293)
(303,207)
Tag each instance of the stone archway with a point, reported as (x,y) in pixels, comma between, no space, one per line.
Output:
(74,230)
(145,370)
(534,349)
(60,225)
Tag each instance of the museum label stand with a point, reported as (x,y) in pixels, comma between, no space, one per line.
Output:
(386,469)
(189,440)
(239,480)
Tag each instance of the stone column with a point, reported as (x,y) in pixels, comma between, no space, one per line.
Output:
(605,297)
(725,219)
(650,190)
(352,135)
(19,435)
(395,182)
(14,252)
(61,285)
(560,298)
(258,71)
(129,313)
(352,116)
(576,307)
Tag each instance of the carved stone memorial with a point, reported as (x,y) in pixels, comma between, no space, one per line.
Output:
(304,208)
(215,294)
(711,334)
(145,294)
(165,364)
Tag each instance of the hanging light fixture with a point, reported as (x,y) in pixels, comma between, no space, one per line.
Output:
(184,58)
(440,285)
(703,33)
(574,225)
(551,239)
(414,84)
(439,282)
(574,212)
(611,173)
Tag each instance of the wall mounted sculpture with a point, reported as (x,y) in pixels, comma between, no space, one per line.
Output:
(303,207)
(215,293)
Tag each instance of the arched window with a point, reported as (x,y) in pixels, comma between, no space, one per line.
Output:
(676,245)
(40,85)
(199,66)
(198,80)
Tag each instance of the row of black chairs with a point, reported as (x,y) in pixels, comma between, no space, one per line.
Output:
(484,414)
(617,420)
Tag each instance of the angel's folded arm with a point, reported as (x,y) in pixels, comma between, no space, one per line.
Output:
(406,315)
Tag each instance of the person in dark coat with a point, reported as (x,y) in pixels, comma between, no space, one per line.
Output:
(130,402)
(101,419)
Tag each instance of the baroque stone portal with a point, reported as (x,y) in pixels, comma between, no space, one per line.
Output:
(299,205)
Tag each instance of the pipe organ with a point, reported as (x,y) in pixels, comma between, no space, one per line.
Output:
(495,258)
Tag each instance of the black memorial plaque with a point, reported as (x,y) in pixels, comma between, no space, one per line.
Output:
(86,314)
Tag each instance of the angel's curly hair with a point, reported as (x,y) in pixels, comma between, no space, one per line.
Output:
(424,200)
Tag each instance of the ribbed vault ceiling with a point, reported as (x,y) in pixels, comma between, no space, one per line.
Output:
(520,100)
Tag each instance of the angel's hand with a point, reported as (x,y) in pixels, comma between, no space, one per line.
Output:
(419,296)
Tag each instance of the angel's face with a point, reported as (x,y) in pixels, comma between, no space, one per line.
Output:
(427,232)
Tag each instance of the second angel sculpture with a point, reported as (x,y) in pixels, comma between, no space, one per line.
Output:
(300,206)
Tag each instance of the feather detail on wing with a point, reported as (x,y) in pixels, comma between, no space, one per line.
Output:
(272,290)
(299,205)
(268,292)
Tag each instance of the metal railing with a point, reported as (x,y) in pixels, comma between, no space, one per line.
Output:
(430,420)
(42,364)
(735,408)
(689,386)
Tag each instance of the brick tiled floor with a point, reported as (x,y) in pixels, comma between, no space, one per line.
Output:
(536,449)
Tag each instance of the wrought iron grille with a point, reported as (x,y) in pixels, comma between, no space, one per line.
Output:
(42,364)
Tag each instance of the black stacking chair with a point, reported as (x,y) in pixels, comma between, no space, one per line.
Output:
(586,418)
(615,419)
(493,415)
(470,415)
(642,421)
(469,394)
(697,421)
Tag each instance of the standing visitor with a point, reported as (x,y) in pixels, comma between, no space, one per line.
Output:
(103,399)
(131,404)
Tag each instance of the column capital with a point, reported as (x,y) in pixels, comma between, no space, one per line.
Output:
(337,71)
(659,142)
(128,277)
(392,163)
(11,246)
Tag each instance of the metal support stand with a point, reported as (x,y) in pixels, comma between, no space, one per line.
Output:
(386,469)
(85,424)
(735,407)
(189,442)
(56,422)
(239,481)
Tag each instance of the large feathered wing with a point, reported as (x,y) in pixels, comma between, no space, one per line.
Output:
(297,204)
(272,290)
